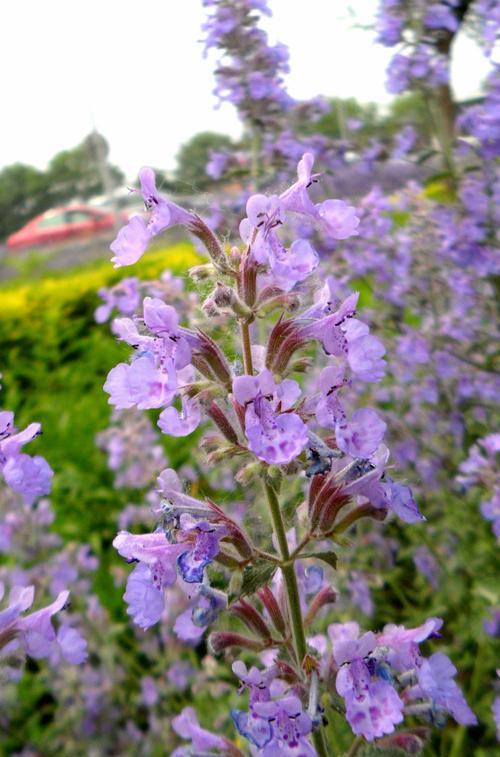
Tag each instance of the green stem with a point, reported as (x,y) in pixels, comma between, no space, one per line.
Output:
(255,157)
(355,746)
(292,591)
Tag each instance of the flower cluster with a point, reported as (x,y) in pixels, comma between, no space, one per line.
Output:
(250,73)
(268,429)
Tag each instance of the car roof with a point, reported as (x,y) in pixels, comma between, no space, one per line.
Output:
(65,208)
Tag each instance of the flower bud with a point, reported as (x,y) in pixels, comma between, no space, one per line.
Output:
(201,272)
(219,641)
(289,302)
(222,422)
(326,596)
(361,511)
(199,228)
(210,308)
(271,604)
(247,473)
(252,618)
(302,365)
(235,256)
(225,297)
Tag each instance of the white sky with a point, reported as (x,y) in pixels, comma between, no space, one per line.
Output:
(135,71)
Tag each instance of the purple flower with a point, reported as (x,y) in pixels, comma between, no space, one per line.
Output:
(72,646)
(496,715)
(11,444)
(361,436)
(492,624)
(39,638)
(206,605)
(30,476)
(173,423)
(403,642)
(435,680)
(149,691)
(140,384)
(133,239)
(400,500)
(441,16)
(124,296)
(131,242)
(217,164)
(365,352)
(327,327)
(289,727)
(338,219)
(145,601)
(329,409)
(426,563)
(187,726)
(274,435)
(491,511)
(373,707)
(152,550)
(192,562)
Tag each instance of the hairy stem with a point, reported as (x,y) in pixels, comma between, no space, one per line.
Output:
(292,592)
(247,347)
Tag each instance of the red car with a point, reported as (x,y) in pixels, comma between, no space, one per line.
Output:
(59,224)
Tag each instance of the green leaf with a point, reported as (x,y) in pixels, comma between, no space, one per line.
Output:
(328,557)
(256,575)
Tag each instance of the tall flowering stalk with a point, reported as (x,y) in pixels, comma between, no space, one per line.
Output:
(317,465)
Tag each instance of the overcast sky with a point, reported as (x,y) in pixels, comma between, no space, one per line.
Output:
(135,71)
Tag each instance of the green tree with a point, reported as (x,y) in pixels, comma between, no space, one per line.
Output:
(335,122)
(77,173)
(193,157)
(408,109)
(82,171)
(23,194)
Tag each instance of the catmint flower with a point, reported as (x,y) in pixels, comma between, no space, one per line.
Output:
(274,435)
(435,680)
(152,550)
(192,563)
(361,436)
(329,409)
(133,239)
(206,605)
(373,707)
(173,423)
(140,384)
(187,726)
(145,601)
(338,219)
(38,636)
(290,726)
(123,297)
(364,352)
(30,476)
(131,242)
